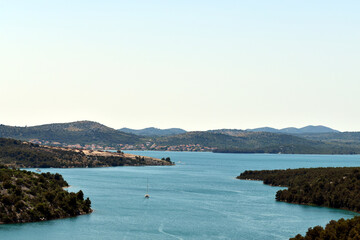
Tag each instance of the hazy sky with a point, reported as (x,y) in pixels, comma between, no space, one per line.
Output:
(196,65)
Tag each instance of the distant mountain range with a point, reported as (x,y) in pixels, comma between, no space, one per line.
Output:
(292,130)
(151,131)
(311,139)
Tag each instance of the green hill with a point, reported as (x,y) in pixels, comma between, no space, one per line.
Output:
(29,197)
(348,138)
(82,132)
(256,142)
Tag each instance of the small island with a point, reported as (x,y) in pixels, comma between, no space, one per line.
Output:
(30,197)
(328,187)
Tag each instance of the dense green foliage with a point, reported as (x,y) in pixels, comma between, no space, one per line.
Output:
(22,154)
(334,230)
(83,132)
(28,197)
(328,187)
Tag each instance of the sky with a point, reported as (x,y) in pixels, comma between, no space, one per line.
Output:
(195,65)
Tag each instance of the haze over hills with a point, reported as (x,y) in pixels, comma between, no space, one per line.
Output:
(292,130)
(151,131)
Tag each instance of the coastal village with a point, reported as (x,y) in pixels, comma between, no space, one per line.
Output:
(148,146)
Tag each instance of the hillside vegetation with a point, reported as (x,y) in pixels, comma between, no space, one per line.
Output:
(20,154)
(82,132)
(29,197)
(243,141)
(345,138)
(256,142)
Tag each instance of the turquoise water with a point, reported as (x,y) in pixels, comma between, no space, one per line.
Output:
(199,198)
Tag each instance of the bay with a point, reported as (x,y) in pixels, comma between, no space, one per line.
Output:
(199,198)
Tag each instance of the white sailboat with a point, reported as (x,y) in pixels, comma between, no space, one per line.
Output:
(147,190)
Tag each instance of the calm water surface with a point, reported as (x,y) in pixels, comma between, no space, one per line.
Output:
(199,198)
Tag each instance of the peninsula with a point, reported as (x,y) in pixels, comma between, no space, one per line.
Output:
(30,197)
(19,154)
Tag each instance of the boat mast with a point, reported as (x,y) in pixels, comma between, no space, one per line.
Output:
(147,188)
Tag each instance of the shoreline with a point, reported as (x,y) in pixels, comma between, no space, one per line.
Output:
(240,153)
(81,214)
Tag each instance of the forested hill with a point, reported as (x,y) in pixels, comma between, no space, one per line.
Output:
(30,197)
(20,154)
(245,140)
(82,132)
(257,142)
(348,138)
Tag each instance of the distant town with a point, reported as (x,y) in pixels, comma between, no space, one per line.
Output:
(148,146)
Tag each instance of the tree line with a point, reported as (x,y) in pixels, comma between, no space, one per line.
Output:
(328,187)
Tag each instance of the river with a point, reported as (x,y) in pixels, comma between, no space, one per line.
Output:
(199,198)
